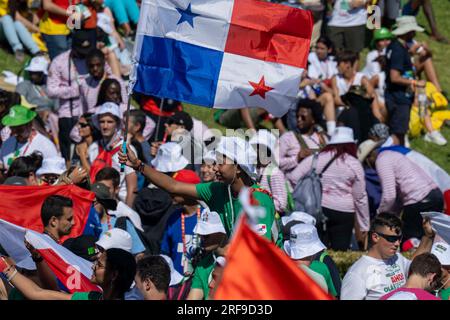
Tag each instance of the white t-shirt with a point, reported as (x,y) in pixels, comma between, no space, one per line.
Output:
(370,278)
(343,16)
(372,67)
(12,149)
(321,69)
(402,295)
(344,86)
(93,151)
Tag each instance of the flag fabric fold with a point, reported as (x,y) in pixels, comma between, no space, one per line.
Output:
(224,53)
(257,270)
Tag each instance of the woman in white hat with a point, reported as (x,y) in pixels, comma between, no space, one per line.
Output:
(343,188)
(51,170)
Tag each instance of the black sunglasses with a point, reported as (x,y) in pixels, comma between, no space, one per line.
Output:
(389,238)
(83,125)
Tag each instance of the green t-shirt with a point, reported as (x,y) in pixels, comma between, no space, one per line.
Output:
(322,269)
(202,274)
(215,195)
(92,295)
(444,294)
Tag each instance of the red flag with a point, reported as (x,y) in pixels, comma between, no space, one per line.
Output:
(22,205)
(257,270)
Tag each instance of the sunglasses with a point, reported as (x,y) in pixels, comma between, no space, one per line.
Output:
(83,124)
(389,238)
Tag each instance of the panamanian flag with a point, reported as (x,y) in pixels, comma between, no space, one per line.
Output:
(222,53)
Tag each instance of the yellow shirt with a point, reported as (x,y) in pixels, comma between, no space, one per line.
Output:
(52,28)
(3,7)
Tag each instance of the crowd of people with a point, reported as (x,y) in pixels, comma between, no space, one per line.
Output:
(337,173)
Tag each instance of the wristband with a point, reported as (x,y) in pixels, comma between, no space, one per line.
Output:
(12,276)
(141,167)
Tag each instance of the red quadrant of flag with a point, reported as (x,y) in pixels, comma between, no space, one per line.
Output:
(270,32)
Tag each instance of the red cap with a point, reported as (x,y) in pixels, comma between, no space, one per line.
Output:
(187,176)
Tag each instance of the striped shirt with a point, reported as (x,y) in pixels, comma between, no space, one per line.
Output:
(343,185)
(277,185)
(290,147)
(401,178)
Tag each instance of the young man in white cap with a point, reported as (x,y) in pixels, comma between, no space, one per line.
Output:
(213,241)
(383,269)
(115,238)
(105,151)
(236,169)
(302,247)
(442,251)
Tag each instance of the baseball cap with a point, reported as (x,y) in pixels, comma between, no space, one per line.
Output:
(115,238)
(83,246)
(84,41)
(442,251)
(183,119)
(104,196)
(187,176)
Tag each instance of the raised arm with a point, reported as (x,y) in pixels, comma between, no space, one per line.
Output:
(159,179)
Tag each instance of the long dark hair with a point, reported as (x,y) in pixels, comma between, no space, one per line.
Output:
(124,264)
(23,166)
(95,132)
(342,149)
(102,92)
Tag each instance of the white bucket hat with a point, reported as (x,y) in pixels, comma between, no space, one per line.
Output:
(442,251)
(209,223)
(342,135)
(175,276)
(107,107)
(53,165)
(406,24)
(210,157)
(169,158)
(366,148)
(240,151)
(115,238)
(298,216)
(304,242)
(38,64)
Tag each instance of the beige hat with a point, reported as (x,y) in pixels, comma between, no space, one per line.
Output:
(406,24)
(366,148)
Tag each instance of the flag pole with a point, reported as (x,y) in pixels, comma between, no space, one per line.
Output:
(159,119)
(130,87)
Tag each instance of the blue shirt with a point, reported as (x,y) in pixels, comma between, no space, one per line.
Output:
(93,225)
(172,242)
(137,245)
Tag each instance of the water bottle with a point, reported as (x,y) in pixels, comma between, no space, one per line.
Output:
(423,102)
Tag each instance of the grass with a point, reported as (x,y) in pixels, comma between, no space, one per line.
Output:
(440,155)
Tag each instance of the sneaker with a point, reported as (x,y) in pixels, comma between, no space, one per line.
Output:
(20,55)
(435,137)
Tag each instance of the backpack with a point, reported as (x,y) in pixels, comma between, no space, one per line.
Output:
(307,193)
(104,159)
(150,246)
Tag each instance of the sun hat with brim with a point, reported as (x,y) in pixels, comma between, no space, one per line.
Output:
(209,223)
(298,216)
(442,251)
(304,242)
(53,165)
(115,238)
(38,64)
(342,135)
(175,276)
(169,158)
(240,151)
(366,148)
(406,24)
(107,108)
(18,115)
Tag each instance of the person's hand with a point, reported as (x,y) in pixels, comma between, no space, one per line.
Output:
(129,159)
(303,154)
(35,255)
(121,44)
(427,228)
(155,147)
(82,149)
(78,175)
(421,84)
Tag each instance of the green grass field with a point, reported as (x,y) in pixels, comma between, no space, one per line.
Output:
(440,155)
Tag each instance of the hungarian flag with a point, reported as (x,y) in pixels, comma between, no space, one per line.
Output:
(22,205)
(73,272)
(257,270)
(226,54)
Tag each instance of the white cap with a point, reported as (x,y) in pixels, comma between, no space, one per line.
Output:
(304,242)
(342,135)
(115,238)
(209,223)
(169,158)
(38,64)
(442,251)
(240,151)
(175,276)
(298,216)
(366,148)
(107,107)
(55,165)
